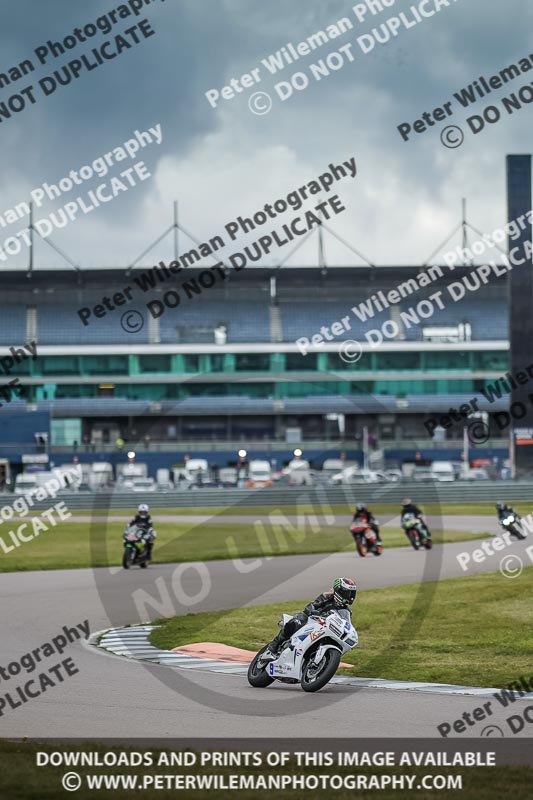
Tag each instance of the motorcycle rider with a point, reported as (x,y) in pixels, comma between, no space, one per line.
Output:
(342,595)
(144,521)
(408,507)
(514,528)
(364,516)
(502,509)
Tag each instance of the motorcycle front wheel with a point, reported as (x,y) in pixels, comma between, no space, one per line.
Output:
(128,558)
(514,531)
(414,541)
(361,548)
(258,677)
(315,676)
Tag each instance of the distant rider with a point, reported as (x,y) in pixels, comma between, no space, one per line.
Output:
(144,521)
(342,595)
(408,507)
(364,516)
(502,509)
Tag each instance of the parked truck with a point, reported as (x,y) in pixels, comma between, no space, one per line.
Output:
(259,474)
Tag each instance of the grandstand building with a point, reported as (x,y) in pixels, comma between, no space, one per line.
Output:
(223,365)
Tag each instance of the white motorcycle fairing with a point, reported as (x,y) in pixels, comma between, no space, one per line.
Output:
(335,631)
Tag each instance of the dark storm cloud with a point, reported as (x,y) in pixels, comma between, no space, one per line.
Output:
(158,81)
(202,44)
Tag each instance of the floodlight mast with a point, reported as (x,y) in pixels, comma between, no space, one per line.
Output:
(30,264)
(176,228)
(464,227)
(47,241)
(176,231)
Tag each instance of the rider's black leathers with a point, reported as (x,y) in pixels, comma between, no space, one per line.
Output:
(412,509)
(321,605)
(505,511)
(146,524)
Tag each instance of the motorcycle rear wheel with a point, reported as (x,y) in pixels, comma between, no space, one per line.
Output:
(314,676)
(259,678)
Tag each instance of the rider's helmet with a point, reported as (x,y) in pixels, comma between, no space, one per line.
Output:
(360,507)
(406,501)
(500,506)
(344,591)
(143,511)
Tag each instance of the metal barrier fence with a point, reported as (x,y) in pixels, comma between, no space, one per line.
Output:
(486,491)
(269,446)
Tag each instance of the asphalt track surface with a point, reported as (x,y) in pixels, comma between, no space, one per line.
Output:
(115,697)
(468,523)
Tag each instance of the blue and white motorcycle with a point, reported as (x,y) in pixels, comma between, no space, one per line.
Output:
(311,657)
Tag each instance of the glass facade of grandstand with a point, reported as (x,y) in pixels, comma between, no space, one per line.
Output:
(228,363)
(274,375)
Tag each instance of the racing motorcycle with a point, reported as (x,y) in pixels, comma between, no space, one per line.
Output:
(366,540)
(513,524)
(311,657)
(135,551)
(417,532)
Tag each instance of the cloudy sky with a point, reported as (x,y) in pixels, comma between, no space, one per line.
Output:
(219,163)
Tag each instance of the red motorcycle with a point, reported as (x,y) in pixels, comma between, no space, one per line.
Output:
(366,540)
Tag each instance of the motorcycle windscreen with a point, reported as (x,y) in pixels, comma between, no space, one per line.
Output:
(345,614)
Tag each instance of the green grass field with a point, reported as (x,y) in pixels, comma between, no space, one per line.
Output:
(82,544)
(455,509)
(21,779)
(474,631)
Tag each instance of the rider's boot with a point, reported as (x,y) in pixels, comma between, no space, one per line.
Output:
(274,647)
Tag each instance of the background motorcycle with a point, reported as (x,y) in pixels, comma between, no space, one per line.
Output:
(417,532)
(513,525)
(135,551)
(366,540)
(311,656)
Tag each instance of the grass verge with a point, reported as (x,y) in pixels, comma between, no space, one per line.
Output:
(68,546)
(455,509)
(474,631)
